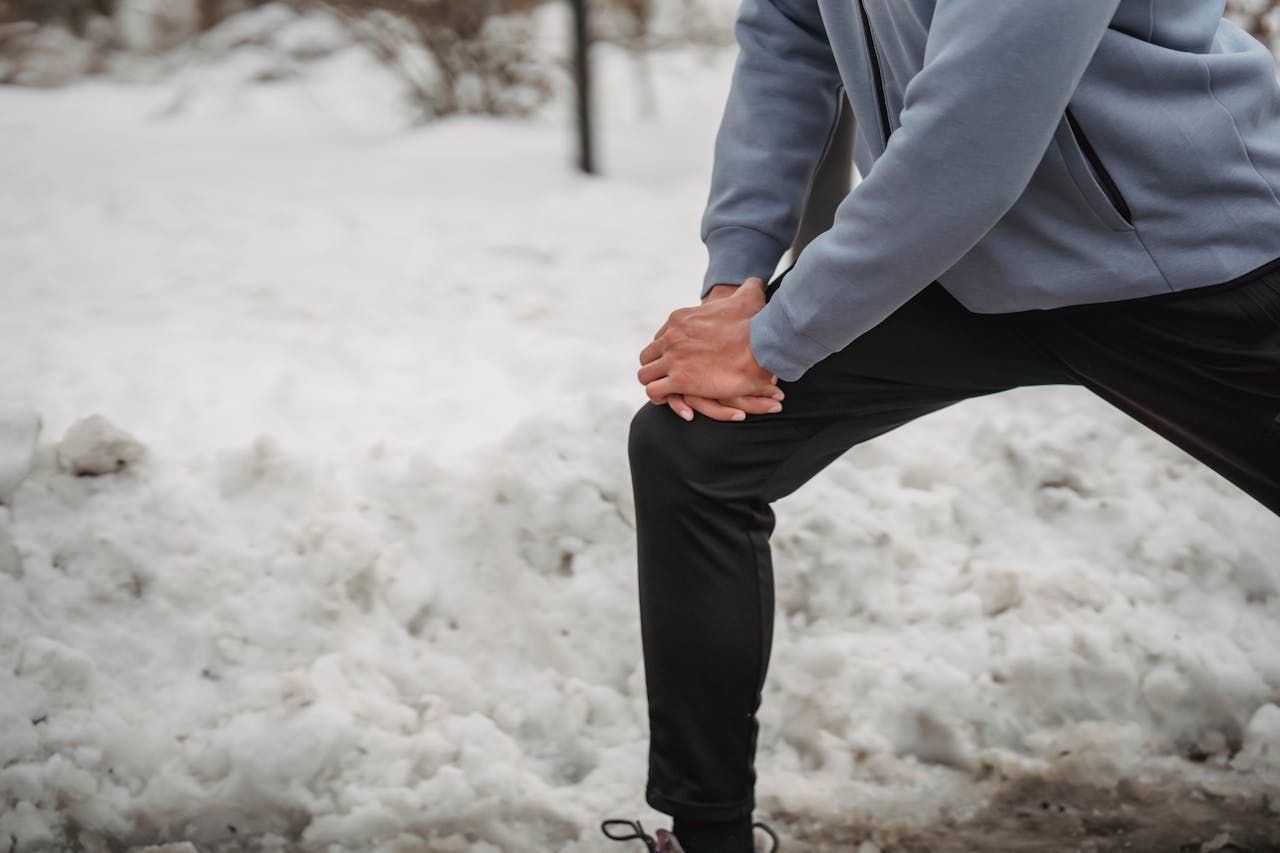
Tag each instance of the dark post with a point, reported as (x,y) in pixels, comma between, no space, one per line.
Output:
(582,72)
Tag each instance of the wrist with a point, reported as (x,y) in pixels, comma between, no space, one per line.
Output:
(779,347)
(720,290)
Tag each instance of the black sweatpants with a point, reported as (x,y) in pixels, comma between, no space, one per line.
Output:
(1200,367)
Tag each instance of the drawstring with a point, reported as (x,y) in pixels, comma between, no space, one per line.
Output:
(637,831)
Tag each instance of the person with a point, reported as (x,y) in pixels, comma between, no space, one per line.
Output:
(1079,193)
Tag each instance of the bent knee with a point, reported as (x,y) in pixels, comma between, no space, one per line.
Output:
(661,444)
(654,434)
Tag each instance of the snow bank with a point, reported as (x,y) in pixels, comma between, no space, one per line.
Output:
(396,654)
(273,63)
(95,446)
(1261,748)
(19,430)
(259,645)
(151,26)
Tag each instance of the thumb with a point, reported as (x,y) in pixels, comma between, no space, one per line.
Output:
(755,282)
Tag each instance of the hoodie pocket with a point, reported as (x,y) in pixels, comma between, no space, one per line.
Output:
(1090,175)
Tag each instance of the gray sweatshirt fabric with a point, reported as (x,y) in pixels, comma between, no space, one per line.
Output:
(1037,153)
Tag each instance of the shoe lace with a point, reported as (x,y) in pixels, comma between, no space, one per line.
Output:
(768,830)
(636,831)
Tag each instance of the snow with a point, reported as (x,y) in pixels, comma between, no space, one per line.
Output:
(366,581)
(19,431)
(95,446)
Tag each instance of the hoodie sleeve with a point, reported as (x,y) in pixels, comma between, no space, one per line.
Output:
(778,118)
(975,122)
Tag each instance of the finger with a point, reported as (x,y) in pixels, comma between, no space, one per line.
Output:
(766,389)
(754,405)
(773,392)
(680,407)
(652,350)
(651,371)
(715,408)
(662,388)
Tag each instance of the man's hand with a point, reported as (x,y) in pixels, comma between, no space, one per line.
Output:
(701,358)
(734,409)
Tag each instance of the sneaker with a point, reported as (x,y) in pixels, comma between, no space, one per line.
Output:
(763,838)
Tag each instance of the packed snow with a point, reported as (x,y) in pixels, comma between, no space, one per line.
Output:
(317,534)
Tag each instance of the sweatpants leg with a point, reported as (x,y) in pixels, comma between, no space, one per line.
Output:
(1200,367)
(703,490)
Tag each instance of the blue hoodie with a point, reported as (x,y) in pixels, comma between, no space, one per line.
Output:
(1023,153)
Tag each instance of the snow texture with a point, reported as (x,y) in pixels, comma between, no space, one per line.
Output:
(366,580)
(96,446)
(19,430)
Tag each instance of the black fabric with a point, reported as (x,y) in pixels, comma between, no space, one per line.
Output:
(713,836)
(1200,367)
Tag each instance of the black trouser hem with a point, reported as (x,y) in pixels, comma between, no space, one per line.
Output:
(702,811)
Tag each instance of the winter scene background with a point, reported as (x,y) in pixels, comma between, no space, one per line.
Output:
(317,361)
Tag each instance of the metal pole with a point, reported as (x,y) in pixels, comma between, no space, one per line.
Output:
(582,73)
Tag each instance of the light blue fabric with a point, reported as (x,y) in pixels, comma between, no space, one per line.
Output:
(984,186)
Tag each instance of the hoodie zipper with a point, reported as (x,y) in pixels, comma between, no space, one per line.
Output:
(1104,177)
(875,72)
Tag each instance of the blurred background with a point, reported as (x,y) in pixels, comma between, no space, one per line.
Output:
(317,360)
(453,56)
(465,56)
